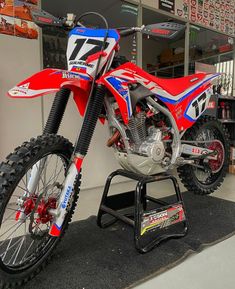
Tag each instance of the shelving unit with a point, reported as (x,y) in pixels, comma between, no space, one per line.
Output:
(230,122)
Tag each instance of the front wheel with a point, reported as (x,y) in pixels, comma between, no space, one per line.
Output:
(207,175)
(25,219)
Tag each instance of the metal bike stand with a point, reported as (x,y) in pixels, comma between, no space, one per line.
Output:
(160,222)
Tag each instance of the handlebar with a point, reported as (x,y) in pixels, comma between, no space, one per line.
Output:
(167,30)
(42,18)
(130,31)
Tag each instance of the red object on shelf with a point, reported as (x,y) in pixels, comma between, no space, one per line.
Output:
(225,48)
(223,110)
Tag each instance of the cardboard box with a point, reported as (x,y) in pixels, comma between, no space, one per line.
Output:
(231,169)
(166,56)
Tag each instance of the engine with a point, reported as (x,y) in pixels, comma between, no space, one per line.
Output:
(147,141)
(153,146)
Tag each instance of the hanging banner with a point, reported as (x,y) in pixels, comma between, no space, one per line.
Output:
(26,29)
(6,25)
(182,8)
(34,2)
(16,18)
(22,10)
(217,14)
(7,7)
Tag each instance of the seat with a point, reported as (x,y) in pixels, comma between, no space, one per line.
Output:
(176,86)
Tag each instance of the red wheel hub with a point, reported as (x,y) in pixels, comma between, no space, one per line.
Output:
(216,165)
(42,209)
(29,205)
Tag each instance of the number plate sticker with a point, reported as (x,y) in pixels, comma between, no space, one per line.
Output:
(85,42)
(198,106)
(156,219)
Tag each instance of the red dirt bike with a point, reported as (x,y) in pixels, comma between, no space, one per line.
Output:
(155,125)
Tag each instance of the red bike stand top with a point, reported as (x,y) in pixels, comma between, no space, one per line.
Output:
(153,220)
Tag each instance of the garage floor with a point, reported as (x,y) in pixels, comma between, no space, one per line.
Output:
(212,268)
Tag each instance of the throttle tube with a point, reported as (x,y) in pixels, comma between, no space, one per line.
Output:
(57,111)
(92,114)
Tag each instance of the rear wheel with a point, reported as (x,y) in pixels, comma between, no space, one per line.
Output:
(207,175)
(25,245)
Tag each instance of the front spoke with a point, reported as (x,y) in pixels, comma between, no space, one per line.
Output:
(10,247)
(16,252)
(25,254)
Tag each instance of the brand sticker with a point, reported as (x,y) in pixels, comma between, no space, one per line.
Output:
(66,198)
(161,219)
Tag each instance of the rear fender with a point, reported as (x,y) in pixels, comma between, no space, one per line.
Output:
(50,81)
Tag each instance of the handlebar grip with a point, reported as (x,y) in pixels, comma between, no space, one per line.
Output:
(127,32)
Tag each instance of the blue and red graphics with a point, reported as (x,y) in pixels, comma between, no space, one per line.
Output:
(186,97)
(55,230)
(121,88)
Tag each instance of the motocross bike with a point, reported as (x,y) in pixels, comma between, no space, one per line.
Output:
(155,125)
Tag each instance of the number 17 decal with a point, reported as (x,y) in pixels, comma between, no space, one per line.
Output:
(85,47)
(198,106)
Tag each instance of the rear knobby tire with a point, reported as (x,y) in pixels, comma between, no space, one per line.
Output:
(11,172)
(187,172)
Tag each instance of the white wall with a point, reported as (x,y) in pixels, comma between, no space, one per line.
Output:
(19,119)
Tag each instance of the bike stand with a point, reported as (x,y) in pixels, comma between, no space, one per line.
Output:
(151,224)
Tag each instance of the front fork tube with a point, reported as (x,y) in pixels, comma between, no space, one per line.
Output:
(66,194)
(35,176)
(93,111)
(32,185)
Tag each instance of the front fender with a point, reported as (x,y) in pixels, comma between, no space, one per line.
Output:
(52,80)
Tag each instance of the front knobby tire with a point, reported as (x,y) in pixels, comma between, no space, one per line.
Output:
(12,172)
(187,173)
